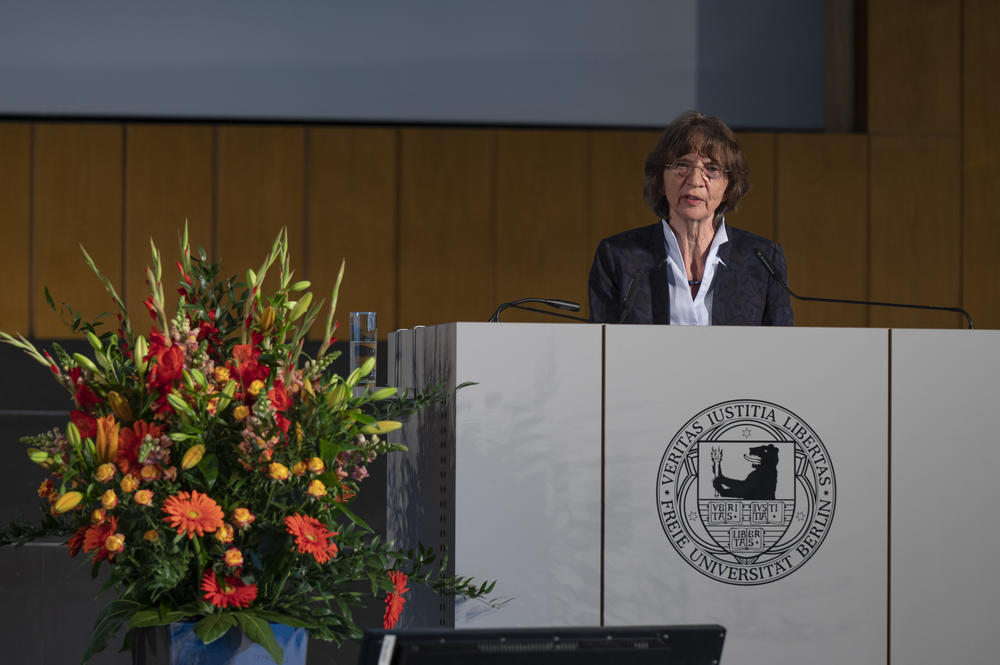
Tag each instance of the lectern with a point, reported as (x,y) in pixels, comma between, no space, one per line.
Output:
(825,494)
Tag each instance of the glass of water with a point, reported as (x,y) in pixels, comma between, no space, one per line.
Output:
(364,342)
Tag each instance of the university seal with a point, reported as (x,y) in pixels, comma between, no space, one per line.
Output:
(746,492)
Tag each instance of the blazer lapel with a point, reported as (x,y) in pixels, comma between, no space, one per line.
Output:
(659,290)
(722,305)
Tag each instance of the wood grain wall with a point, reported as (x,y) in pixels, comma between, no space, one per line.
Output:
(441,224)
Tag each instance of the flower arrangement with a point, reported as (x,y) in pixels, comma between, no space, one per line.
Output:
(212,463)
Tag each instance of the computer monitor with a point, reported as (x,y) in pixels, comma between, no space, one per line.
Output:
(619,645)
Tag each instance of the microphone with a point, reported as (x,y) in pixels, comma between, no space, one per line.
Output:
(555,303)
(780,279)
(632,289)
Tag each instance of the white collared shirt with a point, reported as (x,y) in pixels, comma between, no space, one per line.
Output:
(685,310)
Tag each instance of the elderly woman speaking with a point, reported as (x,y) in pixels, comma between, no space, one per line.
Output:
(690,268)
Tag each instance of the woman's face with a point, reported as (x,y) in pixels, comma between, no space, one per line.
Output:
(695,196)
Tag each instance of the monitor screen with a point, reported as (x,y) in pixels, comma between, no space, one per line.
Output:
(624,645)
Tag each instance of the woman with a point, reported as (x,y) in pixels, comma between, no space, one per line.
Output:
(690,268)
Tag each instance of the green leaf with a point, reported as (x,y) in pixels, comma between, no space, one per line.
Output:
(354,518)
(147,618)
(287,619)
(214,626)
(209,468)
(111,619)
(258,630)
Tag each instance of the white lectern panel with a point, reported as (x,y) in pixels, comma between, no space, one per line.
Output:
(787,549)
(945,529)
(528,471)
(508,477)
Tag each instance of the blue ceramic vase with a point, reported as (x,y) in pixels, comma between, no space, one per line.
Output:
(177,644)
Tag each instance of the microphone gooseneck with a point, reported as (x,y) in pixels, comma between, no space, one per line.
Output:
(632,289)
(780,279)
(555,303)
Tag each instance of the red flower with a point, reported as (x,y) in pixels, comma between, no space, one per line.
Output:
(129,442)
(394,600)
(86,398)
(87,425)
(230,592)
(246,368)
(279,398)
(311,536)
(75,543)
(95,538)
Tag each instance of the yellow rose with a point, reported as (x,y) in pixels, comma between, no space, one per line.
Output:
(299,469)
(277,471)
(233,557)
(149,472)
(221,374)
(255,387)
(240,413)
(129,484)
(144,497)
(243,517)
(152,535)
(316,465)
(105,472)
(97,517)
(109,500)
(317,489)
(115,543)
(224,534)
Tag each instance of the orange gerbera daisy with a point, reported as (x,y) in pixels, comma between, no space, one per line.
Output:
(95,539)
(228,592)
(312,537)
(394,600)
(192,513)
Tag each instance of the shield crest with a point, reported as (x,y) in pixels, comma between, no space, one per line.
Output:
(746,488)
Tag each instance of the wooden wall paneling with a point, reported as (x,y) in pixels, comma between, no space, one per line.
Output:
(915,229)
(260,184)
(77,199)
(981,163)
(756,213)
(169,179)
(15,213)
(351,176)
(914,66)
(616,177)
(544,249)
(822,218)
(447,226)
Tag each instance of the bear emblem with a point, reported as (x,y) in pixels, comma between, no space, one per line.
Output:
(760,483)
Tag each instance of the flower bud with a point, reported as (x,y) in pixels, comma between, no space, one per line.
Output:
(86,363)
(382,426)
(107,439)
(266,319)
(120,407)
(193,456)
(139,354)
(67,502)
(152,535)
(73,435)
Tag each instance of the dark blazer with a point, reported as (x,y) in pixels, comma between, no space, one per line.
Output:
(745,294)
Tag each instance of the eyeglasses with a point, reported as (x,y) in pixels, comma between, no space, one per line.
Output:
(683,168)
